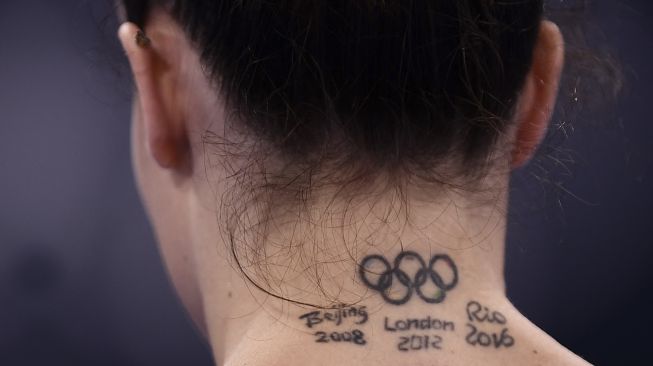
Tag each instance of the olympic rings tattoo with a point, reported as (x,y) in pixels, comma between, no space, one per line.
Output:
(424,273)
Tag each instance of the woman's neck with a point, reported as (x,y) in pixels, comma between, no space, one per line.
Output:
(373,269)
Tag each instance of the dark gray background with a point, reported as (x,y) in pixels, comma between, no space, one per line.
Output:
(80,279)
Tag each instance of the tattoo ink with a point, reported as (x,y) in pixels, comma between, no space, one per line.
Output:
(337,317)
(397,286)
(419,342)
(356,336)
(421,332)
(477,312)
(479,315)
(426,323)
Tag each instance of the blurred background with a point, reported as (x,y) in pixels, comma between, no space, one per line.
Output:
(81,282)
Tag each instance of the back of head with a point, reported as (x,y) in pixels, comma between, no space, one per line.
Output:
(377,85)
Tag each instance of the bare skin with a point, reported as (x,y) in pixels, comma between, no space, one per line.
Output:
(421,281)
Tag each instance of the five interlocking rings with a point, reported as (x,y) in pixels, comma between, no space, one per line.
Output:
(385,277)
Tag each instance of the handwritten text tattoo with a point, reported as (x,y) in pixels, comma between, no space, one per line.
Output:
(410,277)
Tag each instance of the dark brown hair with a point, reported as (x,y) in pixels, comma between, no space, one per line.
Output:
(382,83)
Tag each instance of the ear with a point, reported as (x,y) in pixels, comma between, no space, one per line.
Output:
(155,75)
(539,93)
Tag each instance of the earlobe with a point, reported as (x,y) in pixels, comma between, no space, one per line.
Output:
(539,93)
(163,127)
